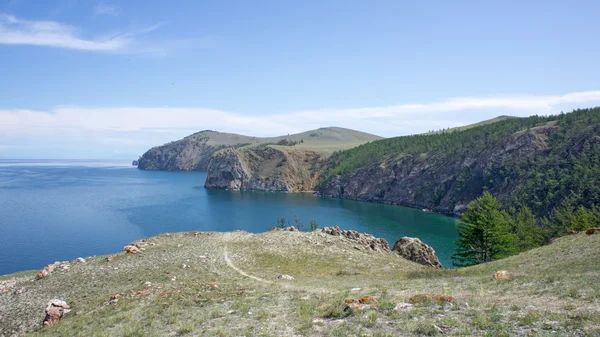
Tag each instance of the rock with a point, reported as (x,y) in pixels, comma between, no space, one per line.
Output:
(551,241)
(131,249)
(572,232)
(114,299)
(367,241)
(404,306)
(55,310)
(213,284)
(285,277)
(502,274)
(292,229)
(109,259)
(354,290)
(80,260)
(415,250)
(5,286)
(357,307)
(41,274)
(592,231)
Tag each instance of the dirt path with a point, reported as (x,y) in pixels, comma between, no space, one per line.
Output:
(232,266)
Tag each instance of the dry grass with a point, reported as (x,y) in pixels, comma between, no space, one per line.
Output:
(555,290)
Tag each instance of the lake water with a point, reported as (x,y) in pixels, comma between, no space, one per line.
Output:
(59,210)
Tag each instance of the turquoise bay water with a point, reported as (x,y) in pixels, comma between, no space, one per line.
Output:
(60,210)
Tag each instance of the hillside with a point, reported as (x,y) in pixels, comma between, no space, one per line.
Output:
(193,152)
(543,162)
(466,127)
(225,284)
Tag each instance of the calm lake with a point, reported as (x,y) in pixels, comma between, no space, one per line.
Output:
(55,210)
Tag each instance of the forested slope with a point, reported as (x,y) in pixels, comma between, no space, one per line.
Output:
(551,164)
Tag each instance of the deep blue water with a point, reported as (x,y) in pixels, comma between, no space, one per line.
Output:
(60,210)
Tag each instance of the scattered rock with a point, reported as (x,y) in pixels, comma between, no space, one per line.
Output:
(65,267)
(55,310)
(415,250)
(114,299)
(365,240)
(354,290)
(131,249)
(19,291)
(572,232)
(41,274)
(213,284)
(404,306)
(184,266)
(357,307)
(80,260)
(173,278)
(502,274)
(292,229)
(551,241)
(5,286)
(285,277)
(109,259)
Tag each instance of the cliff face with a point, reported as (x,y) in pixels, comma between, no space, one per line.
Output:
(441,182)
(193,152)
(183,155)
(264,168)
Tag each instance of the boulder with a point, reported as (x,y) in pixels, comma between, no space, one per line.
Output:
(415,250)
(41,274)
(592,231)
(55,310)
(502,274)
(285,277)
(367,241)
(131,249)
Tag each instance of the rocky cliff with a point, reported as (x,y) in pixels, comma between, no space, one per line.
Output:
(265,168)
(442,181)
(193,152)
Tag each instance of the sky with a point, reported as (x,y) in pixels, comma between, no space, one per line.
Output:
(110,79)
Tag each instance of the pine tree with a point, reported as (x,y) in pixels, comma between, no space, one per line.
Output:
(483,233)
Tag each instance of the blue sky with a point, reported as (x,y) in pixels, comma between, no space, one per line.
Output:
(104,79)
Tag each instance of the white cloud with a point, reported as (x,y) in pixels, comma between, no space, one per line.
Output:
(105,9)
(16,31)
(137,128)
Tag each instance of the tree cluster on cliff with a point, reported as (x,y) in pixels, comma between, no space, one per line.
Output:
(560,186)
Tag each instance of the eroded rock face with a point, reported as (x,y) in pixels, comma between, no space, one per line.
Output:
(55,310)
(415,250)
(264,168)
(441,182)
(367,241)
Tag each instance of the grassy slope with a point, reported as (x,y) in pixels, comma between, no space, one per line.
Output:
(555,288)
(325,139)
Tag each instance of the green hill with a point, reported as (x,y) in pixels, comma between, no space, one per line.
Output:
(225,284)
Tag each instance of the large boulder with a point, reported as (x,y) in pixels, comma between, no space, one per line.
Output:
(55,310)
(415,250)
(367,241)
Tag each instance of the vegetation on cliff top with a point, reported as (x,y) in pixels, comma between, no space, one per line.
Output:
(561,185)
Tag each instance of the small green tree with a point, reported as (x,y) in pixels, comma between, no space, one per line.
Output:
(483,233)
(528,234)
